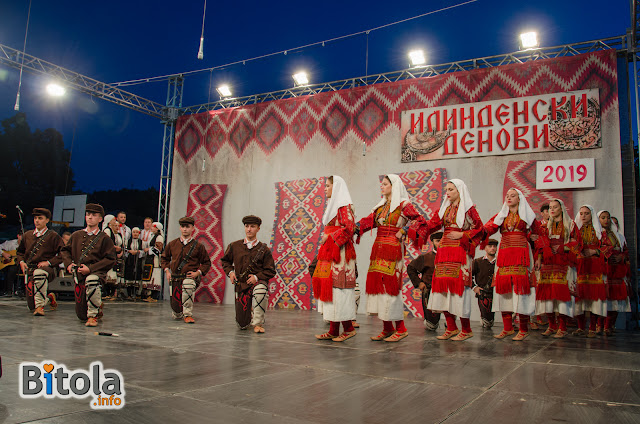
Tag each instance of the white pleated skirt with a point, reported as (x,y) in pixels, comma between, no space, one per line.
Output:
(517,303)
(388,308)
(343,307)
(552,306)
(447,302)
(598,307)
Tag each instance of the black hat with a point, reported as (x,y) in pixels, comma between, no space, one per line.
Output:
(42,212)
(252,219)
(436,236)
(94,208)
(492,242)
(187,220)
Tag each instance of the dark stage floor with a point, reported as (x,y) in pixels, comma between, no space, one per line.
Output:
(212,372)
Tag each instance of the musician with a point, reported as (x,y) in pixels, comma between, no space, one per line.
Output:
(38,257)
(89,255)
(184,261)
(10,268)
(249,265)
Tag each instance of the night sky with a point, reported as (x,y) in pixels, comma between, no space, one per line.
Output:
(120,40)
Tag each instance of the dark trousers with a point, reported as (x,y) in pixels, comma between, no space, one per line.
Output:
(431,317)
(485,303)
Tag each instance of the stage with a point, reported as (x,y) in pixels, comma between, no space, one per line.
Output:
(213,372)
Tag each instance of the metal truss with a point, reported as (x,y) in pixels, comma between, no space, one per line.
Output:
(13,58)
(174,103)
(619,43)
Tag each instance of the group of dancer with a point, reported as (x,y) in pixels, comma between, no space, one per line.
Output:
(560,268)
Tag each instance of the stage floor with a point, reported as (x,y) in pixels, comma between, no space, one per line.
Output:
(213,372)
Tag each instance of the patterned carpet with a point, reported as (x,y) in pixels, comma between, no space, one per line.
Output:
(297,228)
(425,189)
(367,112)
(205,205)
(521,174)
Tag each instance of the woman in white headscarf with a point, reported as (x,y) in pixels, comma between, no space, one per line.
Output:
(616,274)
(451,291)
(334,278)
(156,245)
(384,277)
(514,275)
(557,250)
(110,228)
(591,269)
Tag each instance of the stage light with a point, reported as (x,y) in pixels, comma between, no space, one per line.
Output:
(55,90)
(529,40)
(224,91)
(416,58)
(301,78)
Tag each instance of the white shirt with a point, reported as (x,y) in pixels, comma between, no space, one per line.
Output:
(9,245)
(251,244)
(40,233)
(185,241)
(94,232)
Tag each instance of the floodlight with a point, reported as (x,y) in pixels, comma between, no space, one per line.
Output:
(56,90)
(224,91)
(529,40)
(416,58)
(301,78)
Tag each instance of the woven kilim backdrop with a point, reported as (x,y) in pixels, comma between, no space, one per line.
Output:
(425,190)
(367,112)
(205,206)
(297,228)
(521,174)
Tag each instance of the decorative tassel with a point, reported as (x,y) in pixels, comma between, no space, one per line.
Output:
(553,291)
(378,283)
(617,291)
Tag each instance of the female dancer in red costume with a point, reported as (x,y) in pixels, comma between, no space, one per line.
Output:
(514,291)
(617,274)
(334,279)
(591,269)
(384,278)
(557,250)
(451,291)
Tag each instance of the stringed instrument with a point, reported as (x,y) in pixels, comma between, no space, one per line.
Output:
(8,262)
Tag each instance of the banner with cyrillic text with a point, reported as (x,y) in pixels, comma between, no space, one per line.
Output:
(550,122)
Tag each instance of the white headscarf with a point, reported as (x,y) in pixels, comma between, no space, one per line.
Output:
(524,210)
(105,222)
(594,221)
(135,229)
(398,193)
(158,226)
(465,202)
(339,197)
(614,229)
(566,220)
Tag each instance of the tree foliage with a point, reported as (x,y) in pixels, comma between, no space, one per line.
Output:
(34,166)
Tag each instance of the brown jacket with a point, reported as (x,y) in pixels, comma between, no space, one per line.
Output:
(99,260)
(48,250)
(239,258)
(175,251)
(421,269)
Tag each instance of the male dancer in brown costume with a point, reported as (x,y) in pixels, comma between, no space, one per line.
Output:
(249,265)
(89,255)
(184,262)
(38,257)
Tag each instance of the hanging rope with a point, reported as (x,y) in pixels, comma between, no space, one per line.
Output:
(243,61)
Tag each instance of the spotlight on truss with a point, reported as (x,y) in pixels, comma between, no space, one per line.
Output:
(224,91)
(301,78)
(529,40)
(55,90)
(416,58)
